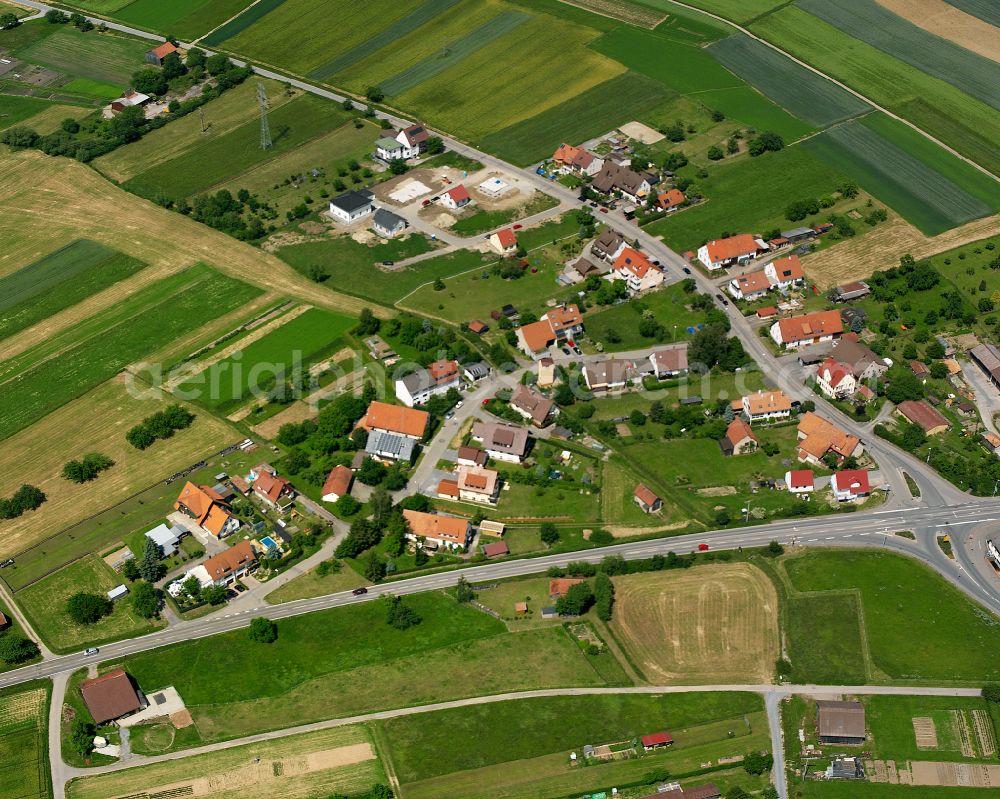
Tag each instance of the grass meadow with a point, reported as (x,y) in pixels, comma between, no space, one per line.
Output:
(825,643)
(105,57)
(59,280)
(70,363)
(667,306)
(241,22)
(833,789)
(24,762)
(185,19)
(15,110)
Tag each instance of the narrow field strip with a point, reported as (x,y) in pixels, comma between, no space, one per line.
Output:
(401,27)
(451,54)
(240,23)
(987,10)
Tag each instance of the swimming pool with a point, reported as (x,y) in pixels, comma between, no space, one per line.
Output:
(269,542)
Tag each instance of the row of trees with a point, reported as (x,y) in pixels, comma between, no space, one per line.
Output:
(160,425)
(87,468)
(27,497)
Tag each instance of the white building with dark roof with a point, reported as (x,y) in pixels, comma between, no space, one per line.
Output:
(352,206)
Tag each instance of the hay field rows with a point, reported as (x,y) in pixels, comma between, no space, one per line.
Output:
(24,767)
(708,624)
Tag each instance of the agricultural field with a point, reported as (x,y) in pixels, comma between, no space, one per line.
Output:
(521,748)
(107,57)
(185,19)
(296,345)
(17,110)
(984,9)
(338,761)
(714,624)
(959,641)
(793,87)
(61,279)
(950,22)
(240,22)
(834,789)
(736,10)
(920,194)
(71,363)
(24,762)
(340,662)
(44,603)
(869,22)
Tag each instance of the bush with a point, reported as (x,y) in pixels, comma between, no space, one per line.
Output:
(263,631)
(88,468)
(146,599)
(400,616)
(27,497)
(162,424)
(549,533)
(576,601)
(15,648)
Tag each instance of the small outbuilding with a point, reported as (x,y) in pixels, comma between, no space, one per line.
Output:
(657,740)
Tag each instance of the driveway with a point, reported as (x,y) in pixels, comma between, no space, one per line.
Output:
(987,397)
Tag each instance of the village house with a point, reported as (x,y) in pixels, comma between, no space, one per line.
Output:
(749,287)
(923,414)
(227,567)
(817,437)
(739,438)
(504,241)
(129,99)
(920,369)
(572,160)
(800,481)
(812,328)
(865,364)
(389,149)
(434,531)
(785,273)
(558,586)
(767,406)
(609,245)
(647,501)
(583,267)
(670,361)
(471,456)
(456,197)
(624,180)
(207,508)
(112,696)
(438,378)
(639,273)
(555,326)
(447,488)
(381,417)
(608,375)
(402,144)
(352,206)
(850,484)
(390,447)
(835,379)
(166,538)
(269,487)
(546,372)
(337,483)
(478,484)
(502,441)
(534,407)
(158,53)
(497,549)
(670,200)
(476,371)
(739,249)
(991,441)
(387,224)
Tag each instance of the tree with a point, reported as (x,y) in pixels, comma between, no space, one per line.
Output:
(848,189)
(149,566)
(397,166)
(381,505)
(130,571)
(375,94)
(88,468)
(774,549)
(15,648)
(757,763)
(192,587)
(149,81)
(347,505)
(81,736)
(263,631)
(463,591)
(218,64)
(371,472)
(576,601)
(56,17)
(195,58)
(434,145)
(19,137)
(991,692)
(84,608)
(766,142)
(146,599)
(549,533)
(8,21)
(398,615)
(604,594)
(715,153)
(368,323)
(173,67)
(214,594)
(374,567)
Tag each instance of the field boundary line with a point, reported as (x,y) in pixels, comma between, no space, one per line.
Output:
(844,86)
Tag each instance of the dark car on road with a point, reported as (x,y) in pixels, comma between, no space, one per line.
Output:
(359,591)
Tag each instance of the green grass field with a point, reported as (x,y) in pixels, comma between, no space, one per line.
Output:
(70,363)
(59,280)
(824,639)
(241,22)
(95,88)
(748,195)
(44,603)
(958,642)
(15,110)
(24,762)
(920,194)
(668,307)
(224,158)
(107,57)
(974,74)
(186,19)
(345,261)
(805,94)
(832,789)
(296,345)
(944,111)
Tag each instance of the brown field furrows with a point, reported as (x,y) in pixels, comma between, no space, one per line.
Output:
(949,22)
(57,200)
(882,248)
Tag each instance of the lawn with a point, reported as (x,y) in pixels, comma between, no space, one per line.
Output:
(65,366)
(591,113)
(339,761)
(352,266)
(310,584)
(185,19)
(345,661)
(284,352)
(44,603)
(59,280)
(944,111)
(524,503)
(102,90)
(748,195)
(24,759)
(224,158)
(920,194)
(804,93)
(617,327)
(107,57)
(958,642)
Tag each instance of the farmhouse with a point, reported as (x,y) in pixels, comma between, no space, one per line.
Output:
(766,406)
(228,566)
(559,324)
(456,197)
(624,180)
(670,361)
(611,374)
(438,531)
(403,144)
(337,483)
(387,224)
(576,160)
(739,438)
(812,328)
(647,501)
(749,287)
(657,740)
(558,586)
(850,484)
(158,53)
(671,200)
(609,245)
(129,99)
(112,696)
(534,407)
(438,378)
(817,437)
(478,484)
(784,273)
(207,509)
(381,417)
(504,241)
(864,363)
(835,379)
(639,273)
(922,413)
(502,441)
(270,487)
(583,268)
(840,722)
(720,253)
(800,481)
(390,149)
(351,206)
(920,369)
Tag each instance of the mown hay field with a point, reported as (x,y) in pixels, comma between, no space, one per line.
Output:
(186,19)
(24,767)
(104,57)
(710,623)
(922,195)
(790,85)
(15,110)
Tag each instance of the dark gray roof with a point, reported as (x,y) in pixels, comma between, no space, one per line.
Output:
(387,220)
(477,370)
(390,445)
(351,201)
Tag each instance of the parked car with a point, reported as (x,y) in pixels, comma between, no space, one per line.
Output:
(566,351)
(92,651)
(359,591)
(486,402)
(459,404)
(6,563)
(425,203)
(388,263)
(722,299)
(686,271)
(577,351)
(603,210)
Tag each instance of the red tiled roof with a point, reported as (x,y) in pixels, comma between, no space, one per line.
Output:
(921,413)
(338,481)
(448,488)
(810,326)
(560,585)
(458,193)
(506,238)
(752,283)
(671,199)
(395,419)
(477,327)
(657,738)
(853,480)
(645,495)
(496,549)
(769,311)
(801,478)
(110,696)
(788,269)
(834,372)
(163,50)
(633,261)
(732,247)
(442,528)
(231,560)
